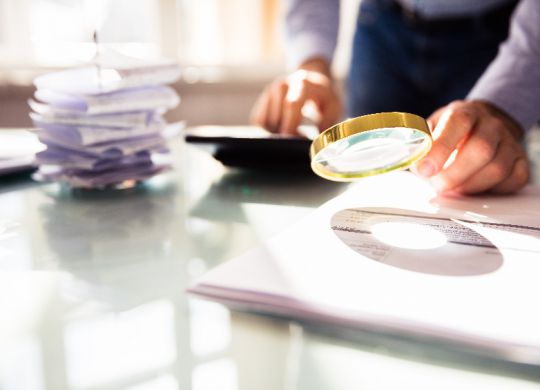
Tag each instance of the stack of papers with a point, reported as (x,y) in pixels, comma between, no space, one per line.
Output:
(390,256)
(104,126)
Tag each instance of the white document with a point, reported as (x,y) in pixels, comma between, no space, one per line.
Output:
(388,255)
(111,149)
(92,80)
(71,161)
(92,135)
(48,114)
(139,99)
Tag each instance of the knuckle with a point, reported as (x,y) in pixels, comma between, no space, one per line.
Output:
(273,90)
(456,104)
(282,87)
(484,150)
(462,117)
(445,150)
(517,149)
(308,86)
(499,171)
(489,126)
(494,127)
(279,82)
(440,152)
(292,101)
(293,104)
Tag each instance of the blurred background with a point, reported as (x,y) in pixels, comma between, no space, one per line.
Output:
(228,49)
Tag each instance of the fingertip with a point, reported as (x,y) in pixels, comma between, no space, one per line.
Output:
(292,116)
(426,168)
(288,125)
(439,183)
(289,129)
(255,117)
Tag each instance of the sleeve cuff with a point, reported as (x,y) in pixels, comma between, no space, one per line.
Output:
(510,90)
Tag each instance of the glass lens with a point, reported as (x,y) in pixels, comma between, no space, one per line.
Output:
(374,151)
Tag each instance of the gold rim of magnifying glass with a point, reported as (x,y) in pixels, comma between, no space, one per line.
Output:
(361,124)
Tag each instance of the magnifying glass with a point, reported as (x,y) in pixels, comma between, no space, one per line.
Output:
(369,145)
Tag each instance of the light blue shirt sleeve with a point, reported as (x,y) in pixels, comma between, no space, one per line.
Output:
(512,81)
(311,29)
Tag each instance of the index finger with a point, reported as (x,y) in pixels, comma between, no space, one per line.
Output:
(292,104)
(451,128)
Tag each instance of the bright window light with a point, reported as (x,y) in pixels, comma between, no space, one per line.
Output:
(115,347)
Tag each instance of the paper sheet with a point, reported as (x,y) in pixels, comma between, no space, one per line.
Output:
(92,80)
(79,136)
(389,255)
(56,156)
(108,149)
(137,99)
(48,114)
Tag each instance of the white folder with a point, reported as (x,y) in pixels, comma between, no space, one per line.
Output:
(388,255)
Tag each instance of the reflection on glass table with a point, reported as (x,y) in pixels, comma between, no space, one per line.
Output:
(92,292)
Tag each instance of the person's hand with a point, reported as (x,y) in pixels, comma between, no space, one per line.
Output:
(279,108)
(476,148)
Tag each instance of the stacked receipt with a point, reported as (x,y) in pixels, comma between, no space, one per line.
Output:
(104,126)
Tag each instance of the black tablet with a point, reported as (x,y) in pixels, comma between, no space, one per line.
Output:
(252,147)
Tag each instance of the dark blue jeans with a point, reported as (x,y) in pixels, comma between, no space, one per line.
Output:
(400,65)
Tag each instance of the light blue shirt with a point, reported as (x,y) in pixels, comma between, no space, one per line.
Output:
(512,81)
